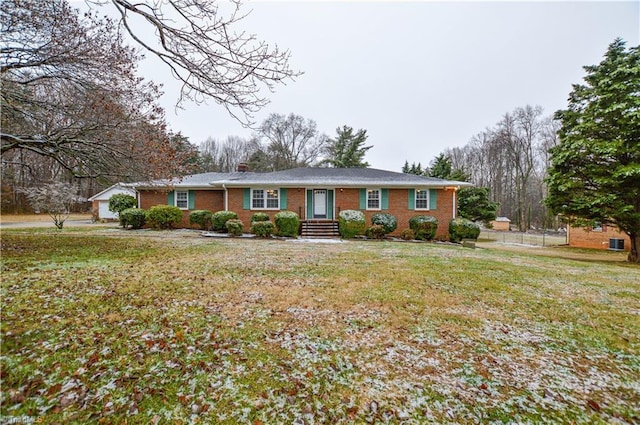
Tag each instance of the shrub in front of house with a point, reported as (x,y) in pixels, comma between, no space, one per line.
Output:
(259,216)
(120,202)
(377,231)
(424,226)
(387,221)
(262,229)
(287,223)
(407,235)
(220,218)
(134,217)
(203,218)
(351,223)
(235,227)
(164,216)
(461,228)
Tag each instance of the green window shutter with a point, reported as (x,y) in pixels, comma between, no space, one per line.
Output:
(330,204)
(309,204)
(192,199)
(412,199)
(246,199)
(363,199)
(433,199)
(384,202)
(283,199)
(171,198)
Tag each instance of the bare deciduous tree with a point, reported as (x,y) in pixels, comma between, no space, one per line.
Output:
(55,199)
(291,141)
(204,48)
(510,159)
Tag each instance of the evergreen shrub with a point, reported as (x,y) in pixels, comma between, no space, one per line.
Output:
(387,221)
(262,229)
(351,223)
(424,226)
(203,218)
(235,227)
(408,235)
(461,228)
(259,216)
(120,202)
(287,223)
(220,218)
(164,216)
(134,217)
(377,231)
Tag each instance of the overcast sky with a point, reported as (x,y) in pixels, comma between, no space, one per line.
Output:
(418,76)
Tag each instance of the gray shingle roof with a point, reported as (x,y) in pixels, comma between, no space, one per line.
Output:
(310,177)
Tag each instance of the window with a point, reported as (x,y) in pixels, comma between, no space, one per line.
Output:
(373,199)
(265,199)
(182,199)
(422,199)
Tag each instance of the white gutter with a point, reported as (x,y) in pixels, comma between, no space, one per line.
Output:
(226,197)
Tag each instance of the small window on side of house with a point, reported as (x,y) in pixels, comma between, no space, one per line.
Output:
(182,199)
(373,199)
(422,199)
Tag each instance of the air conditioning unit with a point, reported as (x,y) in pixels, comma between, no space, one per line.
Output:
(616,244)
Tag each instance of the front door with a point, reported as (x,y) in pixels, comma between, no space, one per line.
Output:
(320,203)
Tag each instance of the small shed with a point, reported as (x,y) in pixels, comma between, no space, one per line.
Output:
(502,224)
(100,201)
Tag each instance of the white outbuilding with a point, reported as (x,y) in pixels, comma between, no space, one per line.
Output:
(100,201)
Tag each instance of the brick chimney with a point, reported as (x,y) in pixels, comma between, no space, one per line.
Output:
(243,167)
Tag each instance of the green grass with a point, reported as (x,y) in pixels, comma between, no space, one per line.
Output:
(170,327)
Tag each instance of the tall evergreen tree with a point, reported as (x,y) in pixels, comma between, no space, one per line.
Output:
(347,150)
(595,169)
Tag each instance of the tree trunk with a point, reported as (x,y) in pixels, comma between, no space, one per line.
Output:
(634,255)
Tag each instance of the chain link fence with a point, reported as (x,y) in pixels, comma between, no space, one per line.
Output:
(520,238)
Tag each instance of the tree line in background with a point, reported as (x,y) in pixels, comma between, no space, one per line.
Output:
(508,160)
(283,142)
(74,109)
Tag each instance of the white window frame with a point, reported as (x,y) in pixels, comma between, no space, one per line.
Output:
(415,199)
(379,199)
(264,200)
(178,201)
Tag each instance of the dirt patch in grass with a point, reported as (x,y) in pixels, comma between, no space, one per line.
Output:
(168,327)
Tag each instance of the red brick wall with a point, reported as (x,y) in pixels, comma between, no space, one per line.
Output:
(212,200)
(345,199)
(295,203)
(581,237)
(349,199)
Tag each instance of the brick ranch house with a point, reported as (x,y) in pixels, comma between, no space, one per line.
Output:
(599,237)
(315,194)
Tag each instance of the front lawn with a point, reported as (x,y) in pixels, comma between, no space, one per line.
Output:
(168,327)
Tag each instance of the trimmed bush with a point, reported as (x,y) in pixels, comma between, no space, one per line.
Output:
(287,223)
(220,218)
(134,217)
(461,228)
(120,202)
(351,223)
(202,218)
(235,227)
(262,229)
(164,216)
(408,235)
(388,221)
(259,216)
(377,231)
(424,227)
